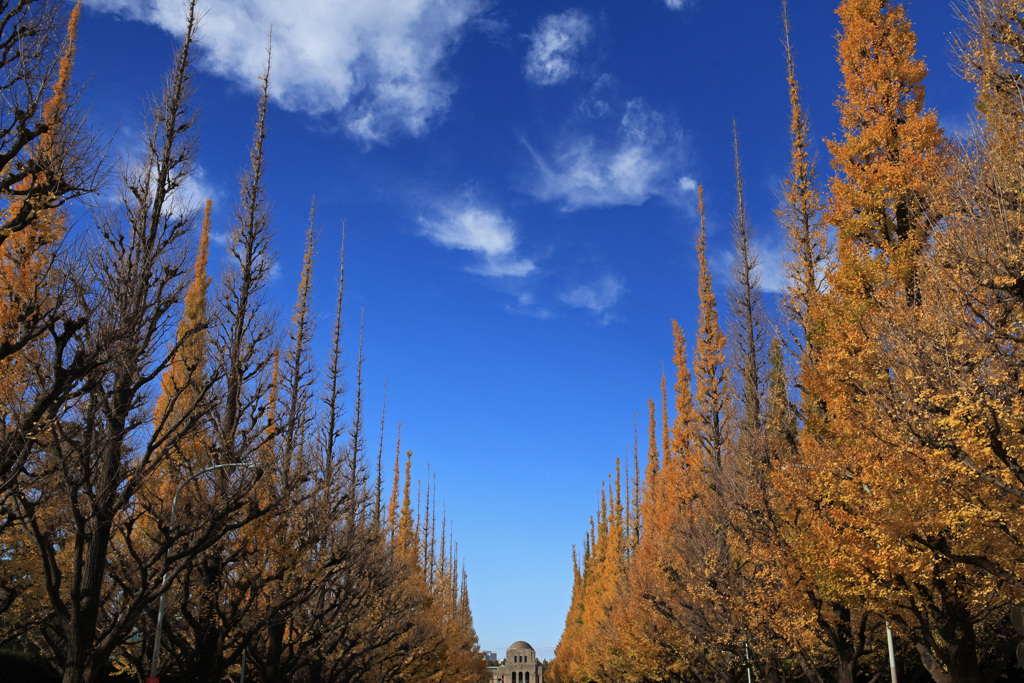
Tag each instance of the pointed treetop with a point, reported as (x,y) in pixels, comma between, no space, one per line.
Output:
(55,108)
(709,357)
(393,501)
(748,324)
(684,429)
(890,155)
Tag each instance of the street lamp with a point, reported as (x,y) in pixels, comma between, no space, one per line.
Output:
(155,661)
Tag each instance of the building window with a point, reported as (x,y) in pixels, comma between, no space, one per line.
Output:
(527,677)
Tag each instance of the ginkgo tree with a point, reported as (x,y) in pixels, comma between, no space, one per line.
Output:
(161,446)
(873,477)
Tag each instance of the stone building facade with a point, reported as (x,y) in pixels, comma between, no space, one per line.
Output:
(521,665)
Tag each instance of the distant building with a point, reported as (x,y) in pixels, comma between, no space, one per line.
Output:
(490,656)
(521,665)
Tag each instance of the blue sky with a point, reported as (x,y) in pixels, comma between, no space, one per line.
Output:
(518,183)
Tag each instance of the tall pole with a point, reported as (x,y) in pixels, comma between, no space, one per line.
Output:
(892,653)
(154,662)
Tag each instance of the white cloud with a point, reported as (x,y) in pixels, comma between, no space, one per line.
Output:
(193,193)
(643,159)
(595,104)
(466,226)
(597,297)
(678,4)
(771,268)
(554,46)
(527,305)
(374,64)
(128,147)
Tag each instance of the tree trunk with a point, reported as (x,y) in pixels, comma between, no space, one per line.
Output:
(939,675)
(950,650)
(209,664)
(87,585)
(275,643)
(771,672)
(316,670)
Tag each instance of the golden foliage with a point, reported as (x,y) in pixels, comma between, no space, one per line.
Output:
(891,490)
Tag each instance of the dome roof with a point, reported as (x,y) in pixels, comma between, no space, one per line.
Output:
(520,645)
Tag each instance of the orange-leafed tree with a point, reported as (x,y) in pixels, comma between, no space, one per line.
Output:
(808,248)
(280,568)
(749,335)
(957,354)
(41,143)
(962,355)
(34,313)
(47,157)
(873,488)
(103,449)
(685,423)
(242,426)
(890,154)
(709,362)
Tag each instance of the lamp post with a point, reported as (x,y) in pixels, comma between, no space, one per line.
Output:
(155,661)
(892,653)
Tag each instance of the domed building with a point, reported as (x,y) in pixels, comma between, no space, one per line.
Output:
(520,666)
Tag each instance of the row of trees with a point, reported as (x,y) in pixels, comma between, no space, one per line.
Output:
(164,438)
(858,463)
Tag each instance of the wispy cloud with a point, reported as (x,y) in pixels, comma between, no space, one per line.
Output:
(555,45)
(597,297)
(193,187)
(194,192)
(375,66)
(595,104)
(643,159)
(467,226)
(770,269)
(220,238)
(678,4)
(526,304)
